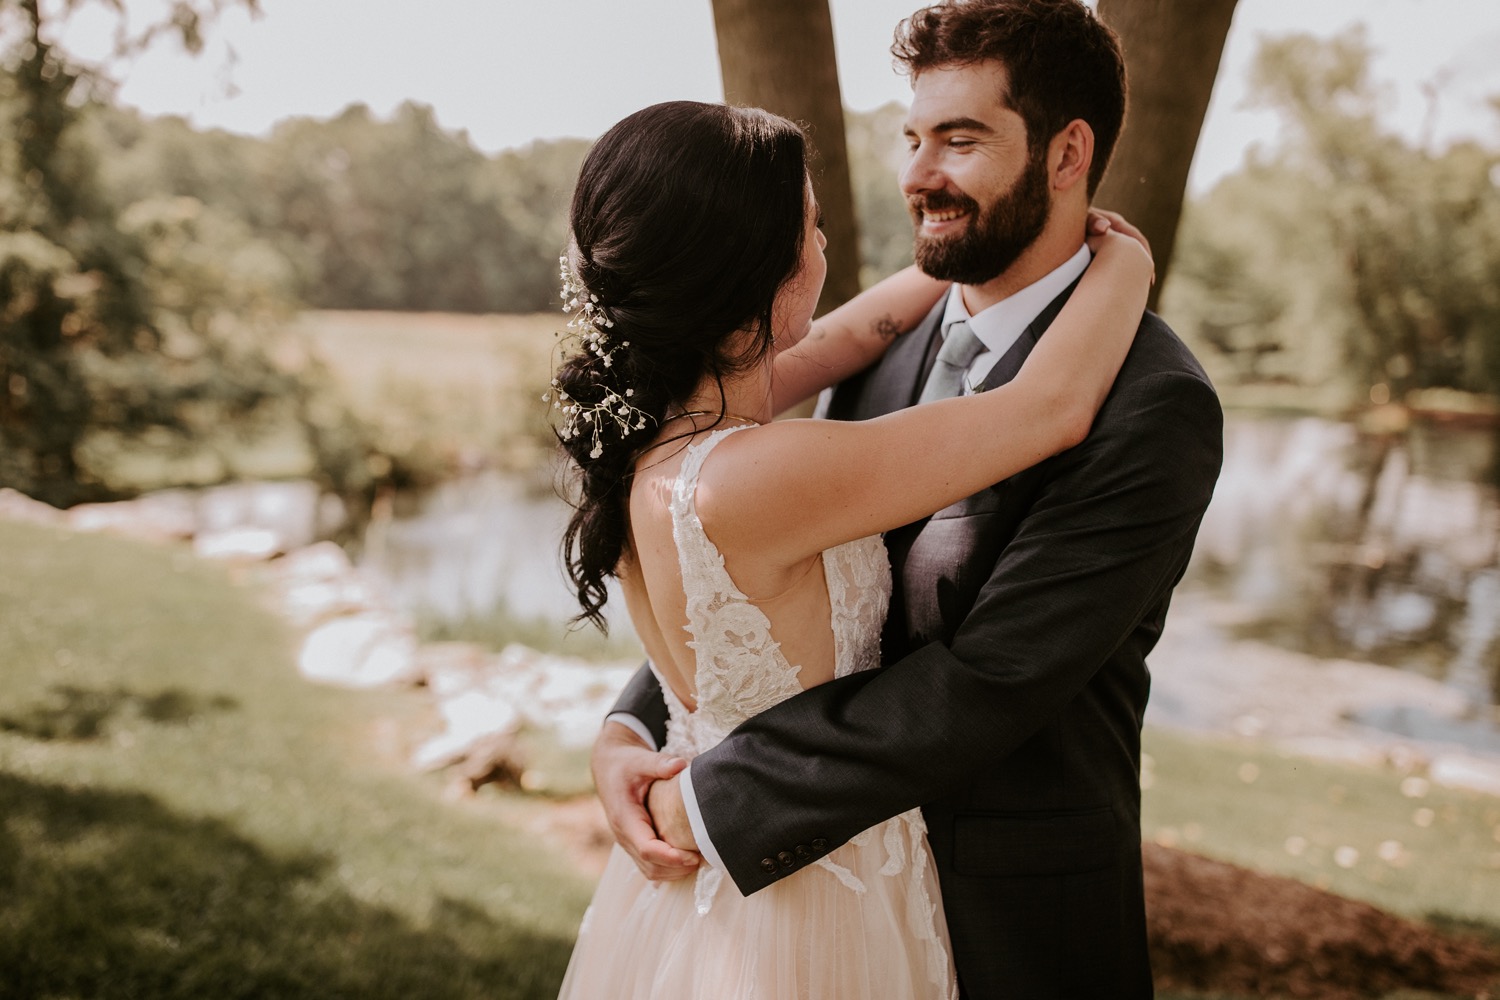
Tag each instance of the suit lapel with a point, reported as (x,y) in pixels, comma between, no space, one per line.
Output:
(931,339)
(896,381)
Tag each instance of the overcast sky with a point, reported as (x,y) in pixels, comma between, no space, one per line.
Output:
(509,71)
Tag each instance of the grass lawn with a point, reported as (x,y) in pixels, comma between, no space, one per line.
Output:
(1425,852)
(182,816)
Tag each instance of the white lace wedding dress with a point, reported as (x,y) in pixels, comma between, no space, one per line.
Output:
(865,922)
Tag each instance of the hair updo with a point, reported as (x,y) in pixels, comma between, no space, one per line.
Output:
(687,220)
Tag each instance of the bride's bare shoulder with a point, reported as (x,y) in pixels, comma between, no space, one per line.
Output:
(750,482)
(758,456)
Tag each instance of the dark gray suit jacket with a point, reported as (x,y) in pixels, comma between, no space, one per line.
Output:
(1010,704)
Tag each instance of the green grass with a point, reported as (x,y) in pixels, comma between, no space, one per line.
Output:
(182,816)
(1449,874)
(1294,814)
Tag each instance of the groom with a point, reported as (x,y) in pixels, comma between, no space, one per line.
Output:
(1010,704)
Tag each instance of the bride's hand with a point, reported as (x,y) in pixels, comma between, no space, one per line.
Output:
(1102,224)
(1110,230)
(670,817)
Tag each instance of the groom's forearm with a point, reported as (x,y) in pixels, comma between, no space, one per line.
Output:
(1103,545)
(797,781)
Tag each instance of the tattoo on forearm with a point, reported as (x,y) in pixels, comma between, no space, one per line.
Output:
(886,328)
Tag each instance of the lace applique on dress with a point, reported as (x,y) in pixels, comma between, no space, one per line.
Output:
(740,671)
(739,667)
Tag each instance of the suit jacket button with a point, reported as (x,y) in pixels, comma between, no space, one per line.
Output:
(820,845)
(786,859)
(768,866)
(804,852)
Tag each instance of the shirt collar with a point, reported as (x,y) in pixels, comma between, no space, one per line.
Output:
(1002,324)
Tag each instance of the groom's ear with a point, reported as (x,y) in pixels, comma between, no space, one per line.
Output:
(1069,156)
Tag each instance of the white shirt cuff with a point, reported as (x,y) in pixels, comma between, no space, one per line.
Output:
(635,725)
(695,819)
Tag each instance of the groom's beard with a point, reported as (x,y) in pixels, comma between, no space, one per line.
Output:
(996,235)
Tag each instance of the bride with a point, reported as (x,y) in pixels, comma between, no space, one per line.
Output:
(749,552)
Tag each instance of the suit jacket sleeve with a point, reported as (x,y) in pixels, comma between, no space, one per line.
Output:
(1106,539)
(643,699)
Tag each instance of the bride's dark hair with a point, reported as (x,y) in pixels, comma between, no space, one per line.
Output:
(687,221)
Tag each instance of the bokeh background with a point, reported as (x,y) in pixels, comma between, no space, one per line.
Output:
(291,706)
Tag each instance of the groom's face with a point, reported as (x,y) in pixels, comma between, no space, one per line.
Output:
(978,197)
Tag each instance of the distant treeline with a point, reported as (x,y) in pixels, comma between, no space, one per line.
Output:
(369,213)
(400,213)
(1348,259)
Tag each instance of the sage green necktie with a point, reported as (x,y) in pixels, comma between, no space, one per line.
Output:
(960,348)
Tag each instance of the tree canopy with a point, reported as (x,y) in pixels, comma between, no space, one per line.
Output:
(127,336)
(1350,255)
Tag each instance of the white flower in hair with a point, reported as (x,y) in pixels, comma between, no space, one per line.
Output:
(590,322)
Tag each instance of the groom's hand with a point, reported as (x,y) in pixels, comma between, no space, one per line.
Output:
(624,770)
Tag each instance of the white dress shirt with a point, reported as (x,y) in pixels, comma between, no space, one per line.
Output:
(997,327)
(1002,324)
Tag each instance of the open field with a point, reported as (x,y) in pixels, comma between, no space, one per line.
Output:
(444,390)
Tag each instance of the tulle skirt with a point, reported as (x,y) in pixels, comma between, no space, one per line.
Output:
(865,924)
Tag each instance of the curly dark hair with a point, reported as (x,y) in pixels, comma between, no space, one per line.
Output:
(687,220)
(1063,63)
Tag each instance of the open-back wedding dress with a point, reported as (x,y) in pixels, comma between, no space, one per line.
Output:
(864,922)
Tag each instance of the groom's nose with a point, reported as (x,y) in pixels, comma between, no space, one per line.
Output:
(921,173)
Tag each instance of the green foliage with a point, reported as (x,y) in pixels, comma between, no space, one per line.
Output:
(1255,283)
(182,816)
(402,214)
(64,275)
(373,214)
(136,345)
(1349,255)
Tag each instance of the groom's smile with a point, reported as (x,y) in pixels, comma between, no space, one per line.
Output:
(976,189)
(941,213)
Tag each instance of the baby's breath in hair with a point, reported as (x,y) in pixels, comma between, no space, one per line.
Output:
(591,324)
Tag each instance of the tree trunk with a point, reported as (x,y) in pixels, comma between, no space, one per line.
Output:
(778,55)
(1172,50)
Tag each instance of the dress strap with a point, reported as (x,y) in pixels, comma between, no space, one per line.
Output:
(685,492)
(701,563)
(738,669)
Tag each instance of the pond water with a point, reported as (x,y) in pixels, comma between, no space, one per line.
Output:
(473,546)
(1374,547)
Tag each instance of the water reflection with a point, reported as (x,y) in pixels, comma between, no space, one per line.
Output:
(474,545)
(1372,547)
